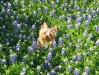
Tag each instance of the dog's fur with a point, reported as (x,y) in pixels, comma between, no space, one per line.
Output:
(46,35)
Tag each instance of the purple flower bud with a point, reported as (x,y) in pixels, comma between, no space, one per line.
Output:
(97,42)
(49,56)
(63,51)
(24,58)
(38,68)
(34,26)
(30,49)
(79,57)
(9,6)
(39,9)
(74,58)
(54,44)
(69,68)
(4,28)
(26,20)
(97,27)
(60,42)
(13,58)
(18,17)
(24,70)
(15,2)
(52,3)
(89,17)
(76,71)
(34,14)
(87,69)
(85,1)
(45,64)
(34,44)
(1,19)
(76,7)
(53,72)
(51,50)
(46,10)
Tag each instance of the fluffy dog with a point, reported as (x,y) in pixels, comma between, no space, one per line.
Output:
(46,35)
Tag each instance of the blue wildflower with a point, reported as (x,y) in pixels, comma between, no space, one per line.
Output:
(74,58)
(9,6)
(34,44)
(26,20)
(45,10)
(97,27)
(13,58)
(1,19)
(38,68)
(49,56)
(34,14)
(76,71)
(54,44)
(33,26)
(24,58)
(45,64)
(97,42)
(60,41)
(69,68)
(87,69)
(53,72)
(63,51)
(30,49)
(79,56)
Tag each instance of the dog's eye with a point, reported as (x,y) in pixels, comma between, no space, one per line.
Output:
(50,34)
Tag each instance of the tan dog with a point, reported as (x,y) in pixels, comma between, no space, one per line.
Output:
(46,35)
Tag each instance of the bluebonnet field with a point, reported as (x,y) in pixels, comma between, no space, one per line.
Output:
(76,50)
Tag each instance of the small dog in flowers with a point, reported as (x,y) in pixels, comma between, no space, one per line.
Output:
(46,35)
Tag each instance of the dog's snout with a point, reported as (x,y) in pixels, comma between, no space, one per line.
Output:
(47,37)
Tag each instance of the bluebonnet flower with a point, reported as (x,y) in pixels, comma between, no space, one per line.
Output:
(76,7)
(84,54)
(39,9)
(8,11)
(85,33)
(18,17)
(70,44)
(87,23)
(4,28)
(79,20)
(49,56)
(13,58)
(87,69)
(38,68)
(77,47)
(34,14)
(76,71)
(79,41)
(79,56)
(67,36)
(87,10)
(63,51)
(9,6)
(14,12)
(97,10)
(69,68)
(33,26)
(84,16)
(62,6)
(22,2)
(74,58)
(3,10)
(65,10)
(82,9)
(93,13)
(15,2)
(30,49)
(60,41)
(23,72)
(19,26)
(45,10)
(90,36)
(97,42)
(16,32)
(15,24)
(52,14)
(34,44)
(51,50)
(69,27)
(24,36)
(54,44)
(1,19)
(4,61)
(89,17)
(45,64)
(85,1)
(24,58)
(69,21)
(18,47)
(97,27)
(77,25)
(26,20)
(43,0)
(52,4)
(65,61)
(31,36)
(53,72)
(62,17)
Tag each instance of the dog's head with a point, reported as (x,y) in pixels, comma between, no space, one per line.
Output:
(47,34)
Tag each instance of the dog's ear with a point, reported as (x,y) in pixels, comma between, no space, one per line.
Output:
(44,25)
(55,27)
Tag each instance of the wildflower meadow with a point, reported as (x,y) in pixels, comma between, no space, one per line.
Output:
(75,50)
